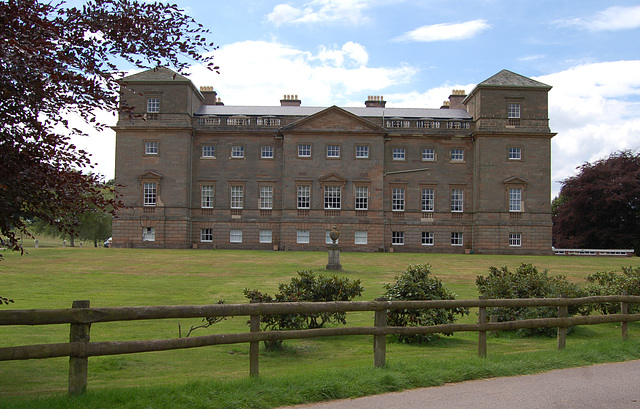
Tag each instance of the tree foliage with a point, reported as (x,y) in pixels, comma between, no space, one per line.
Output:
(600,206)
(59,62)
(528,282)
(613,283)
(307,287)
(417,283)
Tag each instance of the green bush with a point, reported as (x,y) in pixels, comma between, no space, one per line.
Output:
(612,283)
(307,287)
(528,282)
(416,283)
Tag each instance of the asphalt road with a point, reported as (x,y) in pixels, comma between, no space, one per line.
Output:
(610,386)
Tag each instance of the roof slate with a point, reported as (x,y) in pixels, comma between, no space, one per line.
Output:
(156,74)
(426,113)
(511,79)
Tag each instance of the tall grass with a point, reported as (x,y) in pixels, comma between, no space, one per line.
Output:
(307,370)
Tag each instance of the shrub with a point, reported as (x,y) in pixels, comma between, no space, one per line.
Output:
(612,283)
(307,287)
(528,282)
(416,283)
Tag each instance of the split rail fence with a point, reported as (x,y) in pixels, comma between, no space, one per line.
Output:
(81,316)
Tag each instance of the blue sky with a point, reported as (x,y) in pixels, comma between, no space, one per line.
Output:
(414,52)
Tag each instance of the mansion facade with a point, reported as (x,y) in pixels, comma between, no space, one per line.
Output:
(474,174)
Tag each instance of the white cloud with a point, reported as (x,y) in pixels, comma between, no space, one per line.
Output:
(612,19)
(259,73)
(595,109)
(445,32)
(322,11)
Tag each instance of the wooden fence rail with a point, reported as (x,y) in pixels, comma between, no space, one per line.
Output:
(81,316)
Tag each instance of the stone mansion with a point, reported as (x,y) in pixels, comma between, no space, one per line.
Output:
(474,174)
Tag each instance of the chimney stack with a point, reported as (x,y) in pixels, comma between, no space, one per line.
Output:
(375,101)
(209,95)
(290,101)
(456,98)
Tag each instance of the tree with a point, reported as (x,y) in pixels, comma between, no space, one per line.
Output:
(307,287)
(528,282)
(417,283)
(600,206)
(58,62)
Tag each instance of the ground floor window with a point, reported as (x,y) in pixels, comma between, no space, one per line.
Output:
(456,239)
(206,235)
(397,238)
(361,237)
(302,236)
(515,239)
(235,236)
(265,236)
(427,238)
(148,234)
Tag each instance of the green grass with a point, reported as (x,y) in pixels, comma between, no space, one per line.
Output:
(307,370)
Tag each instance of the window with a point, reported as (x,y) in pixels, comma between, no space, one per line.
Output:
(235,236)
(333,151)
(362,151)
(206,235)
(513,113)
(427,238)
(302,236)
(206,201)
(515,239)
(457,200)
(304,197)
(150,193)
(266,197)
(304,151)
(397,199)
(428,200)
(153,105)
(515,199)
(456,239)
(360,237)
(266,152)
(148,234)
(428,154)
(265,236)
(457,155)
(328,238)
(397,238)
(237,196)
(515,153)
(151,148)
(399,154)
(362,197)
(237,151)
(208,151)
(332,197)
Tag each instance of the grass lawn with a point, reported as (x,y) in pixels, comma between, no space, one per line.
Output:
(307,370)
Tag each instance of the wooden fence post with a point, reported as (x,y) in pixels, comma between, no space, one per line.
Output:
(493,318)
(624,309)
(482,335)
(563,312)
(79,362)
(380,341)
(254,347)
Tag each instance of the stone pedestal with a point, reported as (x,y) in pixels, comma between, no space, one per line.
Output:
(334,258)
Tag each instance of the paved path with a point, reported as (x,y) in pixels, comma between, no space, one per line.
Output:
(610,386)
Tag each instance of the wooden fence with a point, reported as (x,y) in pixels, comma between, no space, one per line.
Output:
(81,316)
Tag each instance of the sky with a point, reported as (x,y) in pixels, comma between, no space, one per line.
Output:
(415,52)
